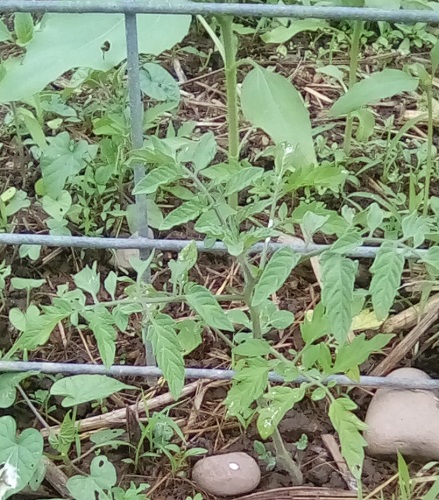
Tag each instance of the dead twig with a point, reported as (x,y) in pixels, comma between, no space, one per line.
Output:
(332,446)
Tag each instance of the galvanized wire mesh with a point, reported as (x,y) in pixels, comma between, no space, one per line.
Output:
(131,8)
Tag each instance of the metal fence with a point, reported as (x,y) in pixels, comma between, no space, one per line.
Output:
(130,8)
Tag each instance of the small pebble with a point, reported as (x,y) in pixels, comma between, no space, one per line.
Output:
(121,258)
(227,475)
(403,420)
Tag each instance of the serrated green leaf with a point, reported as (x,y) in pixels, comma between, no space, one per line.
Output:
(338,278)
(274,274)
(280,400)
(156,178)
(243,179)
(414,227)
(189,335)
(379,85)
(205,304)
(386,278)
(353,354)
(80,389)
(187,211)
(88,280)
(166,346)
(101,323)
(347,242)
(349,428)
(252,347)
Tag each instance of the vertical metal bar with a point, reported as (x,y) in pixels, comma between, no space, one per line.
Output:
(136,112)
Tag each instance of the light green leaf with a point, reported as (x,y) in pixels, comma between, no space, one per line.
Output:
(187,259)
(434,55)
(378,4)
(347,242)
(4,32)
(338,277)
(26,283)
(187,211)
(68,41)
(189,335)
(270,102)
(349,428)
(156,178)
(23,452)
(80,389)
(23,27)
(205,304)
(158,84)
(88,280)
(167,350)
(8,387)
(110,284)
(375,216)
(57,209)
(101,323)
(280,400)
(386,270)
(31,251)
(33,126)
(432,257)
(96,485)
(380,85)
(243,179)
(274,274)
(252,348)
(414,227)
(282,34)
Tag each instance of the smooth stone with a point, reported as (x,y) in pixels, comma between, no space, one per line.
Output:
(227,475)
(121,258)
(403,420)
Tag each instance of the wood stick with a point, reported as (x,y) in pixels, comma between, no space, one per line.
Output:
(56,478)
(409,317)
(118,417)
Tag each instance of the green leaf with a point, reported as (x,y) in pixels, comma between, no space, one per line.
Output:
(4,32)
(270,102)
(347,242)
(274,274)
(386,277)
(349,428)
(248,385)
(378,4)
(187,211)
(252,348)
(26,283)
(83,38)
(155,178)
(280,400)
(282,34)
(100,481)
(23,27)
(22,453)
(80,389)
(432,257)
(205,304)
(88,280)
(167,350)
(101,323)
(110,284)
(63,158)
(434,55)
(8,387)
(414,227)
(375,217)
(158,84)
(187,259)
(338,277)
(353,354)
(378,86)
(189,335)
(243,179)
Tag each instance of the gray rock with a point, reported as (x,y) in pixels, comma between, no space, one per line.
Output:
(121,258)
(227,475)
(403,420)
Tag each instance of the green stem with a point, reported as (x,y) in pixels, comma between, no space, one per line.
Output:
(354,54)
(284,460)
(230,68)
(428,172)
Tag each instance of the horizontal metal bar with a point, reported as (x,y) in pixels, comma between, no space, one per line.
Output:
(201,373)
(161,7)
(170,245)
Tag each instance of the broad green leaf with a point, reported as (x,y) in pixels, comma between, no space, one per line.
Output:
(353,354)
(189,335)
(22,453)
(101,323)
(23,27)
(282,34)
(67,41)
(156,178)
(386,270)
(97,484)
(432,257)
(349,428)
(8,387)
(205,304)
(248,385)
(26,283)
(338,277)
(187,211)
(80,389)
(270,102)
(88,280)
(33,126)
(380,85)
(375,216)
(166,346)
(243,179)
(347,242)
(31,251)
(110,284)
(4,32)
(414,227)
(158,84)
(186,260)
(280,400)
(57,208)
(252,348)
(274,274)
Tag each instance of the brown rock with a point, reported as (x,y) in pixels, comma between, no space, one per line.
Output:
(121,258)
(227,475)
(403,420)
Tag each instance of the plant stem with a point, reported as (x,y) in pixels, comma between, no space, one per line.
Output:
(284,460)
(230,69)
(354,53)
(429,92)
